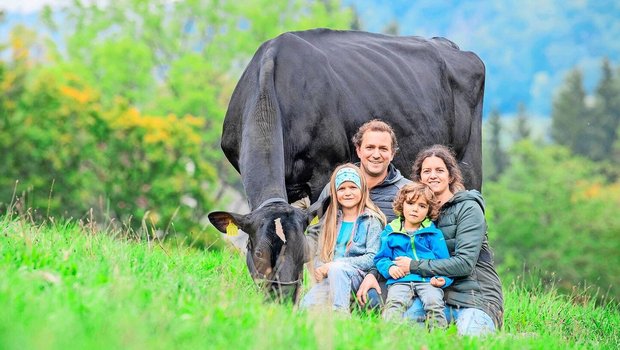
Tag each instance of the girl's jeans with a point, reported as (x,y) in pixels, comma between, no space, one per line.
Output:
(335,290)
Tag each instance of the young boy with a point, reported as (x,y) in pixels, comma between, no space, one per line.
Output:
(414,235)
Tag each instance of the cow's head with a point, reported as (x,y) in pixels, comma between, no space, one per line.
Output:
(277,248)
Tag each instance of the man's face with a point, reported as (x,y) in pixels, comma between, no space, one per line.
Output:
(375,153)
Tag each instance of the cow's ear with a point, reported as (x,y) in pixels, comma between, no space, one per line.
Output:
(226,222)
(317,209)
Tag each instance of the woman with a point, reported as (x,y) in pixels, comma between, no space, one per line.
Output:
(474,301)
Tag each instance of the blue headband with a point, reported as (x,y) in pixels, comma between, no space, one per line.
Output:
(348,174)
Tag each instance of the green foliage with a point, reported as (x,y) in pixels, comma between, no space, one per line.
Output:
(127,117)
(523,129)
(392,28)
(189,45)
(495,158)
(605,115)
(590,129)
(63,286)
(69,153)
(569,114)
(554,213)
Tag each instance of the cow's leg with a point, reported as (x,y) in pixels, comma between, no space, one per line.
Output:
(470,161)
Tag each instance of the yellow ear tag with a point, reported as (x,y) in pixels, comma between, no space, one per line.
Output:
(232,229)
(314,221)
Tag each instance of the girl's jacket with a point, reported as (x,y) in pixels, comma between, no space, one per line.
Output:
(428,243)
(365,243)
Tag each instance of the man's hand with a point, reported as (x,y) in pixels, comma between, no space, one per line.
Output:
(403,264)
(368,283)
(438,282)
(395,272)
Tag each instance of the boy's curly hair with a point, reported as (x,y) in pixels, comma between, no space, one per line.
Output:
(410,193)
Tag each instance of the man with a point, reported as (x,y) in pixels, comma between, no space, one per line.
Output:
(376,145)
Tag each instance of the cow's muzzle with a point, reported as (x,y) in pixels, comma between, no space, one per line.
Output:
(277,286)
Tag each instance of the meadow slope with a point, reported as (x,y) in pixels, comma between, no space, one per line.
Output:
(64,286)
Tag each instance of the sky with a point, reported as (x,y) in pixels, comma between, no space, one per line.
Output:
(28,6)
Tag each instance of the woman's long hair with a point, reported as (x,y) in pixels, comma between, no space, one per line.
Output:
(329,233)
(448,157)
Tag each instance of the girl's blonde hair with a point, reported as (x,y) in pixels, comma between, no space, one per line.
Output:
(410,193)
(329,233)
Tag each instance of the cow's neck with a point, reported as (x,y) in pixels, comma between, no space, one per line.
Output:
(262,155)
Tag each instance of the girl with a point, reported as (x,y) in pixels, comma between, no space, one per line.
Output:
(348,240)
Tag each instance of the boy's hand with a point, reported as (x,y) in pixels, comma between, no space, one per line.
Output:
(438,282)
(395,272)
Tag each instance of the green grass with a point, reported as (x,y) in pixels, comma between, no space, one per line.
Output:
(66,287)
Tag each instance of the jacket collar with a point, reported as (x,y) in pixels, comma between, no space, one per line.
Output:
(398,226)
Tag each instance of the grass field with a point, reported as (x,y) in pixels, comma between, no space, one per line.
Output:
(63,286)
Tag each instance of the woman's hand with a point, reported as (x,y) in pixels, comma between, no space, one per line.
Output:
(438,282)
(369,282)
(403,264)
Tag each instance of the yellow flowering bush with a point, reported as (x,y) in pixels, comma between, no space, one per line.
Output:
(68,153)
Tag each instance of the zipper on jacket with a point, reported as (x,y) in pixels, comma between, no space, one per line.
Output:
(415,255)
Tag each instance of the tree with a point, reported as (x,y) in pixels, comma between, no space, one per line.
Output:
(356,21)
(549,213)
(606,115)
(126,116)
(568,117)
(161,55)
(181,57)
(392,28)
(523,129)
(497,156)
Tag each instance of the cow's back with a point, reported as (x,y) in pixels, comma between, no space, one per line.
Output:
(327,83)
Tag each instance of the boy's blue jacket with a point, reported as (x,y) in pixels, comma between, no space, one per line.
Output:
(428,241)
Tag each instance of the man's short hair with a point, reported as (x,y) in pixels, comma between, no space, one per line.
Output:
(375,125)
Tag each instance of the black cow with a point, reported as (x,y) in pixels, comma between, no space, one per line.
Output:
(302,97)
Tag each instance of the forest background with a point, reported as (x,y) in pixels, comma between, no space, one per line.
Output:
(111,114)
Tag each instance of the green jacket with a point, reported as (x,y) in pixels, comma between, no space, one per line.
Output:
(476,283)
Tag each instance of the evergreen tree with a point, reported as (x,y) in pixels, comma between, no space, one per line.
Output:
(568,120)
(392,28)
(523,130)
(498,156)
(356,21)
(605,116)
